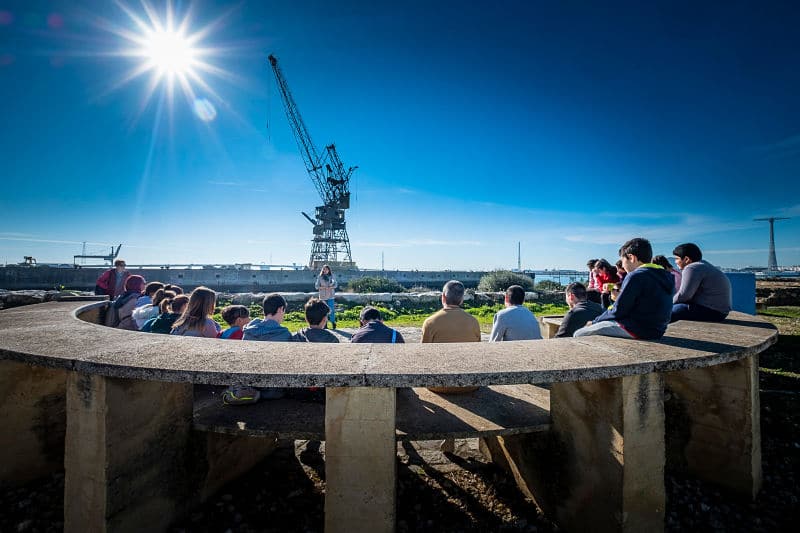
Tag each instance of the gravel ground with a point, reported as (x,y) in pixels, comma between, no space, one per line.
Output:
(461,492)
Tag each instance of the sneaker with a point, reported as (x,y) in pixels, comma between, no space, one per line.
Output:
(240,396)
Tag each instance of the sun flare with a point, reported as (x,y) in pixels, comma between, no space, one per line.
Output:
(169,52)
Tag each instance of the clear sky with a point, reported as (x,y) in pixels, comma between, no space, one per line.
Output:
(567,126)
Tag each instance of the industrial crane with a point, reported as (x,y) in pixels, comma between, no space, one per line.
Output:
(330,245)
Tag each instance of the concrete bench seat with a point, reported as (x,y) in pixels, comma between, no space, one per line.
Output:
(116,410)
(420,414)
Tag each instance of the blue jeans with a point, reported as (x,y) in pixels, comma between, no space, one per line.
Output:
(332,315)
(698,313)
(607,328)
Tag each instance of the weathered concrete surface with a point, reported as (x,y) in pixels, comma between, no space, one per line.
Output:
(602,468)
(360,459)
(32,411)
(50,335)
(717,425)
(126,455)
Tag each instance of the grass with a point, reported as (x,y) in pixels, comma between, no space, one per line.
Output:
(348,318)
(783,359)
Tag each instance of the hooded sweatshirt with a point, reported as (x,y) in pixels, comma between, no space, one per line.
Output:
(266,330)
(644,305)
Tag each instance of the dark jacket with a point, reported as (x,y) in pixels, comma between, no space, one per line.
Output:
(644,305)
(161,324)
(376,332)
(314,335)
(578,316)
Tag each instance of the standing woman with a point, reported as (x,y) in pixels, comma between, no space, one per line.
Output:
(196,321)
(326,285)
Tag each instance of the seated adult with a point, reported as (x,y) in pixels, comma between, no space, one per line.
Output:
(317,318)
(580,311)
(451,324)
(642,309)
(515,322)
(705,293)
(269,329)
(374,330)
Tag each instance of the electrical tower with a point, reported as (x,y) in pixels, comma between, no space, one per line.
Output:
(773,260)
(330,244)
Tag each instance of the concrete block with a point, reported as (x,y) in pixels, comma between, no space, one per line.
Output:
(32,408)
(126,457)
(360,459)
(715,424)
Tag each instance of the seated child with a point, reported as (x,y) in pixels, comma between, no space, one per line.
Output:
(196,319)
(147,311)
(317,318)
(643,307)
(171,310)
(149,291)
(236,316)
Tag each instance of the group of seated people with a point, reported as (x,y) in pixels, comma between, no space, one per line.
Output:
(647,295)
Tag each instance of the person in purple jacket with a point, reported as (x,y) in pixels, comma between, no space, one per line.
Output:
(644,305)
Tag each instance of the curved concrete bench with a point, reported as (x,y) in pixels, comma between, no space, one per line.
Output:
(606,410)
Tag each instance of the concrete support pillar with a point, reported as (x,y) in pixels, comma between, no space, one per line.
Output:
(715,426)
(360,459)
(32,411)
(602,466)
(126,454)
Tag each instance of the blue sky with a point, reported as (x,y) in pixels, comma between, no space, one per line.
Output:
(567,126)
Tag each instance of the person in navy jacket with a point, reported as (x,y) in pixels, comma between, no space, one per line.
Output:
(644,305)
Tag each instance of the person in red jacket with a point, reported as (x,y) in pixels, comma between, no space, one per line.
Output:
(112,281)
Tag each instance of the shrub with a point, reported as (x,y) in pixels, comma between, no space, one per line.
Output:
(374,284)
(547,285)
(500,280)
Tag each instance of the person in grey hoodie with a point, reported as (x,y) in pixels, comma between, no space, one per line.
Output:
(705,291)
(269,328)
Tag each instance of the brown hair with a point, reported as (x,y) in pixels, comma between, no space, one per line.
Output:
(201,306)
(232,313)
(151,288)
(316,310)
(162,295)
(174,288)
(176,305)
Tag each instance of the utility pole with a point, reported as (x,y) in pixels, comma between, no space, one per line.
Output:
(519,256)
(382,269)
(772,264)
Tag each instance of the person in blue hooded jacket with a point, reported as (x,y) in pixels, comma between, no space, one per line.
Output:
(644,305)
(269,329)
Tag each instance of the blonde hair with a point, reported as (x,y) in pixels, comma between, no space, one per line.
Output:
(200,307)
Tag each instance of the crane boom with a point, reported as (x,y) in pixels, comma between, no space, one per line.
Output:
(314,163)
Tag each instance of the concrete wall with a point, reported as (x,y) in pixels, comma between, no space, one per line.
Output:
(221,279)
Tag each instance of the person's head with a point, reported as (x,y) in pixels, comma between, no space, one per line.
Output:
(162,295)
(236,315)
(177,305)
(274,307)
(326,271)
(369,314)
(151,288)
(590,264)
(515,295)
(574,293)
(316,313)
(620,268)
(662,261)
(453,293)
(604,266)
(134,284)
(119,264)
(173,288)
(686,254)
(200,307)
(635,253)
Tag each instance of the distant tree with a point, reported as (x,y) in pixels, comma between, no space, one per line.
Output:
(547,285)
(500,280)
(374,284)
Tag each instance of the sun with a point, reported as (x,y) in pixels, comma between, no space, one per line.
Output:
(169,52)
(164,47)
